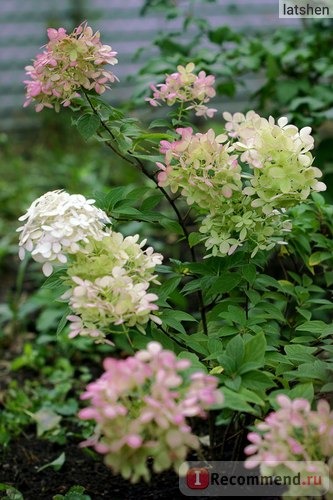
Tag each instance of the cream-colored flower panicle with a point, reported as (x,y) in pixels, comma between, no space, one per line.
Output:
(58,224)
(109,286)
(280,156)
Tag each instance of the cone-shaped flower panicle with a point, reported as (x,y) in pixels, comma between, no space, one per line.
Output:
(294,439)
(203,166)
(140,406)
(280,156)
(58,224)
(68,64)
(109,285)
(185,86)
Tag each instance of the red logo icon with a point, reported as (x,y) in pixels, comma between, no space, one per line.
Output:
(197,478)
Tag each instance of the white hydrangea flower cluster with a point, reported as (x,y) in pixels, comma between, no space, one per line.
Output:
(59,223)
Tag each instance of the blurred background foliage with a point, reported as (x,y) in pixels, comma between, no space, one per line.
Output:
(293,71)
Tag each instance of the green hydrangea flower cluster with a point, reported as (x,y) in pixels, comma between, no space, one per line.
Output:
(280,156)
(109,286)
(236,222)
(203,166)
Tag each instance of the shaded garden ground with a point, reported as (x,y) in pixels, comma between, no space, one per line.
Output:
(25,456)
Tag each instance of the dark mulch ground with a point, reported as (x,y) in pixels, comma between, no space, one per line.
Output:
(19,468)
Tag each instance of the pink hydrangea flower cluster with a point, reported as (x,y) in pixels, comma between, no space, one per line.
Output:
(140,406)
(185,86)
(294,437)
(203,166)
(68,63)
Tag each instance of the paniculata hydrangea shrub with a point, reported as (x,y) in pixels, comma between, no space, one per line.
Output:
(58,224)
(109,285)
(244,187)
(294,439)
(68,64)
(140,405)
(185,86)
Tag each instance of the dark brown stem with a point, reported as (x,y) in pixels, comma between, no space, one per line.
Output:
(211,420)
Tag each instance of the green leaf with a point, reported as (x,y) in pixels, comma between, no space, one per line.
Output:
(173,319)
(228,363)
(235,401)
(274,312)
(11,493)
(48,319)
(171,225)
(286,90)
(249,272)
(318,257)
(56,464)
(194,239)
(195,362)
(160,123)
(235,349)
(251,396)
(63,321)
(258,380)
(315,326)
(327,387)
(235,314)
(225,283)
(69,407)
(151,202)
(223,34)
(216,370)
(316,370)
(254,349)
(234,383)
(302,391)
(74,493)
(304,312)
(300,353)
(168,287)
(55,280)
(215,346)
(87,125)
(197,284)
(109,200)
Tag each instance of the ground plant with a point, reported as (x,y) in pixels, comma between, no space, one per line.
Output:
(202,291)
